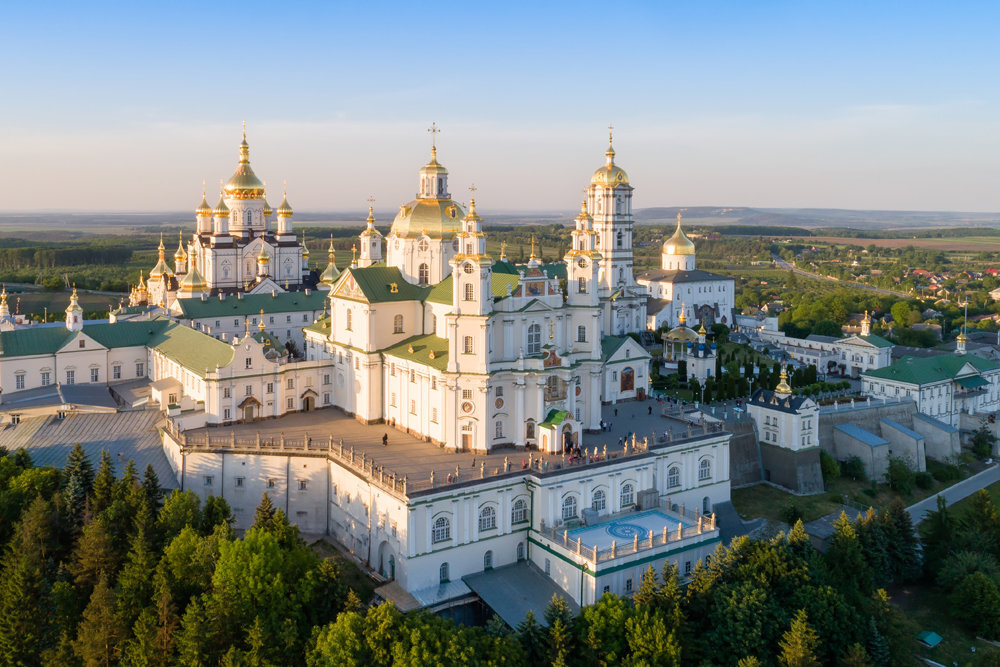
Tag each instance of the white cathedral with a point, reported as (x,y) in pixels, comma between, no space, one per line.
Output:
(439,367)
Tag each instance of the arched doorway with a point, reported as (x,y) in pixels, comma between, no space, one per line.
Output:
(249,409)
(706,505)
(308,400)
(568,441)
(386,561)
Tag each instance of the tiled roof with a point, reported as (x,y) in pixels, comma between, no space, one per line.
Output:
(251,304)
(422,347)
(914,370)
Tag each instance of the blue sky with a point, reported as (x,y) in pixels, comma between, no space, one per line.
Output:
(129,106)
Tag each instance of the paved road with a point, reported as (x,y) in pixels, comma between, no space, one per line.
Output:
(954,493)
(785,265)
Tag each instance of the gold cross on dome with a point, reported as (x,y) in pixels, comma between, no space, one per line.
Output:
(371,200)
(434,130)
(472,189)
(611,132)
(552,327)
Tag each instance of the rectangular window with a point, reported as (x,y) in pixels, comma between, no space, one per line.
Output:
(392,400)
(270,387)
(116,372)
(290,403)
(413,407)
(226,392)
(499,392)
(303,485)
(236,322)
(209,479)
(249,362)
(467,345)
(290,383)
(19,381)
(46,378)
(466,394)
(270,483)
(326,399)
(628,585)
(392,370)
(288,318)
(140,370)
(413,375)
(687,567)
(226,415)
(70,377)
(271,319)
(434,383)
(326,378)
(248,390)
(239,482)
(83,343)
(434,415)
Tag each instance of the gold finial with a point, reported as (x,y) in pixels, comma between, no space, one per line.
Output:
(503,250)
(261,325)
(284,189)
(611,134)
(682,318)
(354,253)
(472,189)
(678,218)
(244,130)
(610,153)
(434,130)
(246,323)
(532,246)
(552,328)
(161,245)
(203,189)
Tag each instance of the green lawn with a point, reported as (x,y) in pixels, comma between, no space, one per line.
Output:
(923,606)
(764,500)
(994,490)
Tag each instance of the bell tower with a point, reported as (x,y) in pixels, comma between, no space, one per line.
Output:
(370,239)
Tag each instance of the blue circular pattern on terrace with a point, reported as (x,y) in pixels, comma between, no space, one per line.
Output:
(626,531)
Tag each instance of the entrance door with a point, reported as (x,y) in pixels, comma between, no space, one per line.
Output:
(248,413)
(466,441)
(308,403)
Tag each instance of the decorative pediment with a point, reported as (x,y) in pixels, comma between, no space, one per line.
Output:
(347,288)
(552,359)
(73,344)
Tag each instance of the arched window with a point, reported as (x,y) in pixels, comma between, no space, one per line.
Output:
(443,573)
(600,501)
(673,477)
(467,345)
(582,283)
(442,530)
(534,339)
(487,518)
(488,560)
(529,429)
(249,218)
(627,495)
(423,274)
(618,239)
(704,470)
(397,324)
(520,550)
(348,325)
(499,429)
(706,505)
(568,508)
(470,292)
(581,334)
(519,513)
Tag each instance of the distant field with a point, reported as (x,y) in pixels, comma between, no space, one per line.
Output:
(967,243)
(35,302)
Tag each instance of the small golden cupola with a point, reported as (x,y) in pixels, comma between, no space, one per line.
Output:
(203,210)
(305,250)
(221,210)
(192,283)
(610,175)
(161,269)
(181,254)
(783,388)
(4,308)
(330,273)
(268,211)
(244,184)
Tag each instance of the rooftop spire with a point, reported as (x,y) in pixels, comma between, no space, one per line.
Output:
(244,147)
(610,153)
(434,130)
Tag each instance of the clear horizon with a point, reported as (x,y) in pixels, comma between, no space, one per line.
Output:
(765,105)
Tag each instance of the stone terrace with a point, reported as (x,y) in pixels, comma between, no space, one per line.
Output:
(410,466)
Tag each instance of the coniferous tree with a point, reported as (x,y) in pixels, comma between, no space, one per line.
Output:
(846,559)
(903,544)
(938,530)
(135,581)
(128,482)
(875,545)
(151,487)
(800,643)
(100,633)
(532,638)
(79,476)
(855,656)
(215,511)
(878,647)
(104,484)
(36,535)
(94,555)
(23,607)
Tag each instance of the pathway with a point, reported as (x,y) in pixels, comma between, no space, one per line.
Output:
(954,493)
(785,265)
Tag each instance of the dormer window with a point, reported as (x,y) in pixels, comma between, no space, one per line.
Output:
(83,343)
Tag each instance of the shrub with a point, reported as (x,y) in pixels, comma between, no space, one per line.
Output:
(853,468)
(870,492)
(943,472)
(829,466)
(791,514)
(899,476)
(982,442)
(923,480)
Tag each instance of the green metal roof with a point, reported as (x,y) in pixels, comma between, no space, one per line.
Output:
(252,304)
(877,341)
(376,284)
(442,292)
(28,342)
(320,326)
(973,381)
(610,345)
(926,370)
(554,418)
(125,334)
(192,349)
(422,347)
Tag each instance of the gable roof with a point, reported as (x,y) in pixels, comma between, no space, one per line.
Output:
(860,434)
(870,339)
(925,370)
(610,345)
(251,304)
(680,276)
(49,340)
(442,292)
(191,349)
(791,404)
(375,285)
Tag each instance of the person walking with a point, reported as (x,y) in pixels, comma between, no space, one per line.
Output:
(385,439)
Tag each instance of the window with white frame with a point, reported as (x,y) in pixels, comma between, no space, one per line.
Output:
(582,285)
(226,392)
(673,477)
(226,414)
(467,345)
(397,324)
(498,427)
(434,415)
(627,496)
(442,530)
(488,560)
(46,378)
(519,513)
(116,372)
(70,377)
(443,573)
(487,518)
(599,501)
(534,339)
(140,370)
(470,292)
(466,394)
(290,404)
(19,381)
(568,508)
(704,470)
(581,334)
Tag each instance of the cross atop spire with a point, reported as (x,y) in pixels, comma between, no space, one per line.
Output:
(434,130)
(371,201)
(472,189)
(244,130)
(611,133)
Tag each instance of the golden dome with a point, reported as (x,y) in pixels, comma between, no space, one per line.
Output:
(263,257)
(962,338)
(161,268)
(437,218)
(192,281)
(681,334)
(203,210)
(370,221)
(584,216)
(181,254)
(267,209)
(783,386)
(305,248)
(679,243)
(285,210)
(610,175)
(331,271)
(472,216)
(244,184)
(221,210)
(434,167)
